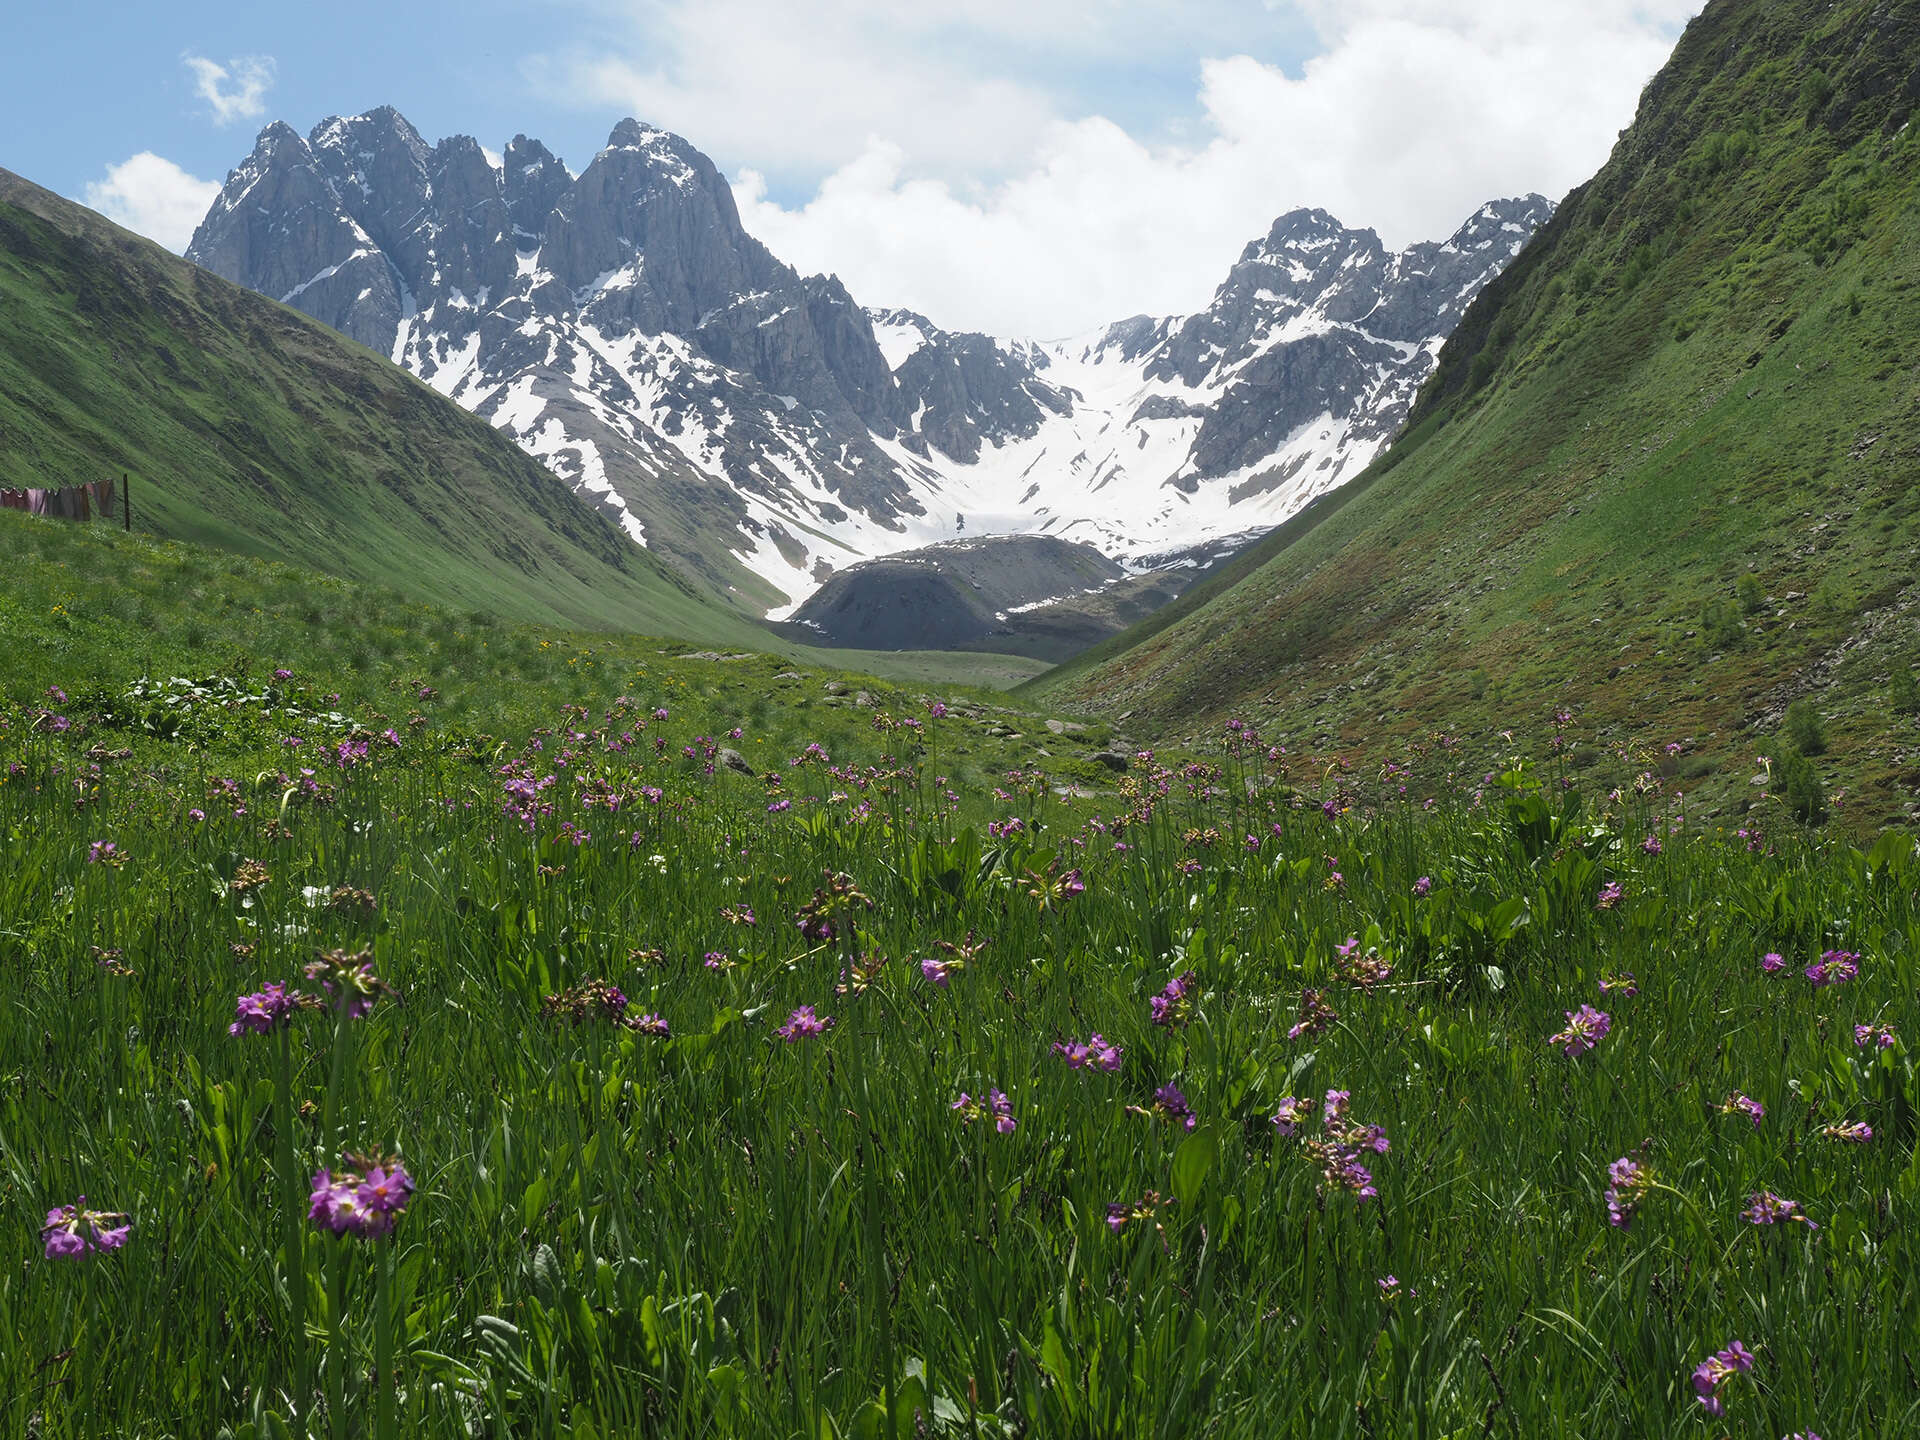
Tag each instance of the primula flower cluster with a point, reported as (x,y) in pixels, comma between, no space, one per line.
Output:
(349,981)
(590,1000)
(1879,1036)
(1339,1150)
(995,1105)
(73,1230)
(1628,1183)
(268,1009)
(803,1024)
(1092,1053)
(1168,1105)
(1857,1132)
(363,1199)
(1715,1370)
(1315,1015)
(1834,967)
(1586,1028)
(1739,1104)
(1173,1006)
(859,974)
(1622,984)
(1290,1115)
(1146,1208)
(1363,971)
(1767,1208)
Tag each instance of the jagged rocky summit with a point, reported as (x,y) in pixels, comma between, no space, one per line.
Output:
(759,427)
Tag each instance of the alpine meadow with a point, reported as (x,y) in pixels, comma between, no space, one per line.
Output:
(663,854)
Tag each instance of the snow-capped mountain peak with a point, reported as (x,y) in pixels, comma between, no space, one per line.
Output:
(760,427)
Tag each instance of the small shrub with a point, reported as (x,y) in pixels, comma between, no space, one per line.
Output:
(1903,692)
(1751,592)
(1720,625)
(1815,91)
(1806,728)
(1797,782)
(1639,265)
(1584,277)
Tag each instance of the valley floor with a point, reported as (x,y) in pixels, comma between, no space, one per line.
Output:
(445,1028)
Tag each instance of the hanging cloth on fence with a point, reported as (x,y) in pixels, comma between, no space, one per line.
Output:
(37,502)
(13,499)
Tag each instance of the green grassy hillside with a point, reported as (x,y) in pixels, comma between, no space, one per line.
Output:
(249,426)
(1664,474)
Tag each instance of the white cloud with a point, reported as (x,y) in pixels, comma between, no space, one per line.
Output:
(234,91)
(951,170)
(153,197)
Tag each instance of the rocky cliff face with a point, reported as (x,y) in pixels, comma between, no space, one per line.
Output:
(758,426)
(1316,319)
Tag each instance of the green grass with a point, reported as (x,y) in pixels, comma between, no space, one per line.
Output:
(1701,370)
(719,1233)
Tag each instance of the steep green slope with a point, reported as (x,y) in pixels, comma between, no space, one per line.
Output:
(1665,472)
(252,427)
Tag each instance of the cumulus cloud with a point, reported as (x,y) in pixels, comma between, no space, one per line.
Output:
(154,197)
(988,162)
(234,91)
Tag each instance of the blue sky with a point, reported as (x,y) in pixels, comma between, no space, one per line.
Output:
(1033,166)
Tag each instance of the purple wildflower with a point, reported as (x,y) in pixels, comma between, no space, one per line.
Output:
(1173,1006)
(1423,885)
(1739,1104)
(1767,1208)
(803,1024)
(349,981)
(1834,967)
(1622,984)
(1290,1115)
(1857,1132)
(1315,1015)
(650,1024)
(1880,1036)
(1709,1374)
(1338,1153)
(1773,962)
(937,972)
(363,1200)
(73,1230)
(1170,1105)
(1586,1028)
(264,1011)
(1628,1183)
(996,1104)
(1094,1052)
(1120,1214)
(1610,895)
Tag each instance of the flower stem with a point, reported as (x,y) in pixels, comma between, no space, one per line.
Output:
(385,1425)
(294,1258)
(337,1345)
